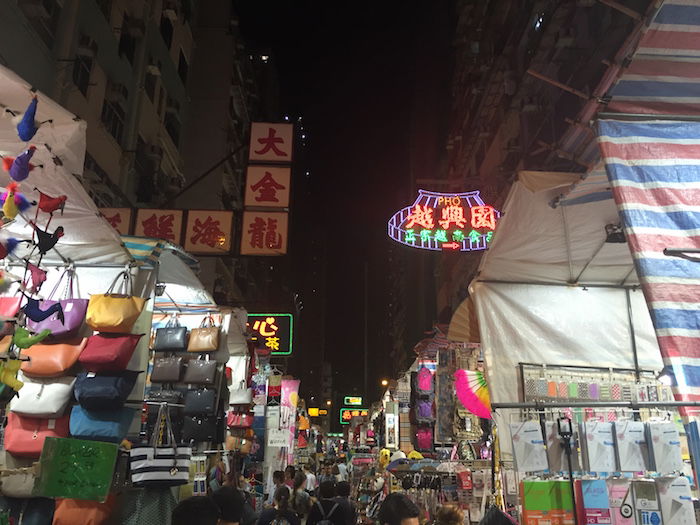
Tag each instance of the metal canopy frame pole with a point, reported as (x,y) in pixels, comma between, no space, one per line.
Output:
(635,405)
(633,339)
(563,285)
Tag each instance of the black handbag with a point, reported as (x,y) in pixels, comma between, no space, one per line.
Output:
(173,397)
(200,372)
(200,402)
(104,391)
(167,370)
(199,428)
(171,338)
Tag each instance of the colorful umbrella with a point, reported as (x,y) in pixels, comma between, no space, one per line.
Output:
(473,392)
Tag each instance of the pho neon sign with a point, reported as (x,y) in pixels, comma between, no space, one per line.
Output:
(445,222)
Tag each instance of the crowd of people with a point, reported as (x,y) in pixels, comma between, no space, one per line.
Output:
(300,497)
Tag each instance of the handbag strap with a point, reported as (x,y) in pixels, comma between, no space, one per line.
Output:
(207,322)
(58,283)
(173,321)
(126,284)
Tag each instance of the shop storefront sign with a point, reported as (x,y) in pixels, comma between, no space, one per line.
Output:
(208,231)
(277,437)
(271,142)
(159,224)
(267,186)
(352,401)
(264,233)
(272,331)
(118,218)
(346,414)
(445,222)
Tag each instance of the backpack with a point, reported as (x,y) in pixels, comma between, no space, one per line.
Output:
(424,381)
(424,410)
(325,520)
(424,438)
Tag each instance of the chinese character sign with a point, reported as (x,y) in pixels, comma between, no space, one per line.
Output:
(264,233)
(445,222)
(118,218)
(159,224)
(271,142)
(267,186)
(273,332)
(346,414)
(208,231)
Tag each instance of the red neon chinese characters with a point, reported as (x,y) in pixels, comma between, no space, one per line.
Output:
(484,217)
(208,232)
(453,214)
(422,215)
(159,226)
(268,187)
(264,234)
(114,220)
(270,143)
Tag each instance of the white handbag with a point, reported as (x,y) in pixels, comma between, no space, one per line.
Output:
(235,338)
(240,394)
(18,482)
(43,397)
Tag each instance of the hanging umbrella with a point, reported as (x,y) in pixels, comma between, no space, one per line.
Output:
(473,392)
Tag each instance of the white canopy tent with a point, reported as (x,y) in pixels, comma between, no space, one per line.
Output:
(551,290)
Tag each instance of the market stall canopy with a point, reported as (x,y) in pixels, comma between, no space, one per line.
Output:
(60,149)
(176,270)
(464,326)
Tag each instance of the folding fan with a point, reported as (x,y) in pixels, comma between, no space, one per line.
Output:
(473,392)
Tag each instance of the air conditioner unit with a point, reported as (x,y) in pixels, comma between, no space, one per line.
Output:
(34,8)
(87,47)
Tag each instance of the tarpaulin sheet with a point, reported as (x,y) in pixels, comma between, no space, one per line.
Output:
(654,168)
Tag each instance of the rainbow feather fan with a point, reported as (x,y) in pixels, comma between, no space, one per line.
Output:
(473,392)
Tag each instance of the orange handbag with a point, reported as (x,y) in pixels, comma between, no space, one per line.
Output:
(205,338)
(72,511)
(52,360)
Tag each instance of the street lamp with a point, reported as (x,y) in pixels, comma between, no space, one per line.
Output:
(328,403)
(385,382)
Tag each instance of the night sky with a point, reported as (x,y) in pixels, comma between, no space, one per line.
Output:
(352,70)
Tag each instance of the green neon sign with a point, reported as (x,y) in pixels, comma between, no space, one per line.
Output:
(353,401)
(273,331)
(346,414)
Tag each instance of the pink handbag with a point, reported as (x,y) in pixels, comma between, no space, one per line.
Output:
(9,305)
(109,352)
(25,436)
(239,419)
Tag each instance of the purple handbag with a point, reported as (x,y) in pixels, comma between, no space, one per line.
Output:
(74,311)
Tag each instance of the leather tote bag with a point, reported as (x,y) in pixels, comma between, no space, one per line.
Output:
(25,436)
(240,394)
(101,425)
(199,429)
(84,512)
(52,360)
(167,370)
(115,312)
(167,465)
(43,398)
(104,391)
(109,353)
(171,338)
(74,311)
(201,372)
(205,338)
(18,482)
(239,419)
(200,402)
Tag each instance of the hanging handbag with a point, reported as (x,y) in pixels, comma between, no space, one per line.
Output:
(167,370)
(241,395)
(115,312)
(109,353)
(205,338)
(199,429)
(104,391)
(146,506)
(24,436)
(173,397)
(43,398)
(101,425)
(72,511)
(153,465)
(9,306)
(200,372)
(200,402)
(18,482)
(171,338)
(52,360)
(239,419)
(74,311)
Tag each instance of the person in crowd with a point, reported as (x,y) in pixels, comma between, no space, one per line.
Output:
(327,474)
(327,508)
(277,481)
(197,510)
(335,471)
(230,502)
(280,514)
(300,501)
(343,497)
(311,482)
(449,515)
(289,476)
(398,509)
(343,468)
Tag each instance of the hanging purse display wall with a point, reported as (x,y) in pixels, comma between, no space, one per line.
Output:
(109,353)
(115,312)
(52,360)
(73,310)
(171,338)
(205,338)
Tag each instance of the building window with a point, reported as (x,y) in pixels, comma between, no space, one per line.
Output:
(172,126)
(182,68)
(106,8)
(82,67)
(43,16)
(127,43)
(149,86)
(161,102)
(113,117)
(166,31)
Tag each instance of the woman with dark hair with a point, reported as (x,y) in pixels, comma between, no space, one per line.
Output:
(280,514)
(301,501)
(397,509)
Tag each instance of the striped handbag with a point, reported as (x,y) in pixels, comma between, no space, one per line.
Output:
(160,466)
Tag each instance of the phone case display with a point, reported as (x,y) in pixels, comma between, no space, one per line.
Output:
(665,444)
(676,500)
(593,505)
(632,451)
(619,494)
(546,502)
(555,451)
(528,446)
(598,446)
